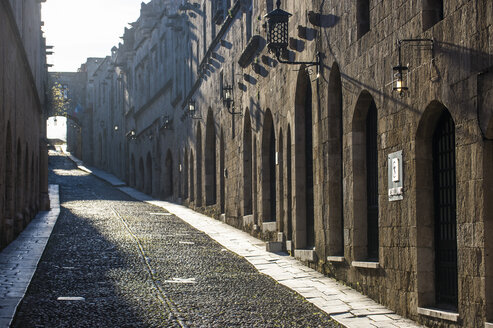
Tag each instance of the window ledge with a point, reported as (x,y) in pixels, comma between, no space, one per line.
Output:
(439,314)
(338,259)
(365,265)
(488,325)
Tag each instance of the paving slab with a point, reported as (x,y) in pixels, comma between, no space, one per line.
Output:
(294,275)
(19,260)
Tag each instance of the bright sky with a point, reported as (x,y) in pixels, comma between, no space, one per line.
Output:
(88,28)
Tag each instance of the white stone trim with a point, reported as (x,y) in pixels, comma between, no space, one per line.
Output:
(439,314)
(366,264)
(338,259)
(488,325)
(269,226)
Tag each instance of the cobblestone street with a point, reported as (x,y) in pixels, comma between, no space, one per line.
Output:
(116,262)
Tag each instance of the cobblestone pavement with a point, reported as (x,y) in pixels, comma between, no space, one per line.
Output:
(113,261)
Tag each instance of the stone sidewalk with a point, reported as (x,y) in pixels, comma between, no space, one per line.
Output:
(345,305)
(19,260)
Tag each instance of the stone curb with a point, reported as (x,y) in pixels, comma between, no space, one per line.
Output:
(19,260)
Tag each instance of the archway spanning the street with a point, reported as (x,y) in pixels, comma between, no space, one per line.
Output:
(268,169)
(247,165)
(305,221)
(210,160)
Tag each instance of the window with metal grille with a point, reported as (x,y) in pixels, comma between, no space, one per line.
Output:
(446,284)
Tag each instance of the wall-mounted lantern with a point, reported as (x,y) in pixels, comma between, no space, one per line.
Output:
(278,35)
(228,100)
(116,128)
(166,122)
(131,135)
(192,110)
(400,76)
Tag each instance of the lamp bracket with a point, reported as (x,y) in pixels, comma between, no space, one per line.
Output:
(312,63)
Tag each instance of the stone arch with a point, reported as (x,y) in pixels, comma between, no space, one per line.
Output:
(429,206)
(289,185)
(268,169)
(186,170)
(210,160)
(247,165)
(365,179)
(148,175)
(141,180)
(132,171)
(222,182)
(100,150)
(280,174)
(168,180)
(303,170)
(198,150)
(192,175)
(334,162)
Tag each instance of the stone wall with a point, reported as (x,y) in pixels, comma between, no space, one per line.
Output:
(24,182)
(292,154)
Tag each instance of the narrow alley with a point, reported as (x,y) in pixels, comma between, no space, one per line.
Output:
(116,262)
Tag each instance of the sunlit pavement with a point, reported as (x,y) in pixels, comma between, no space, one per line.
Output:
(345,305)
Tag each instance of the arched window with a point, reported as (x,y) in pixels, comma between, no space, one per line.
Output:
(432,13)
(372,181)
(444,197)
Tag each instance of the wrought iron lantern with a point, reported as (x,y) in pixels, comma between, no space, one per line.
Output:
(400,76)
(116,127)
(228,95)
(278,35)
(192,110)
(166,122)
(228,100)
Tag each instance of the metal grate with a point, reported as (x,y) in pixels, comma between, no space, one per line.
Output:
(372,181)
(445,213)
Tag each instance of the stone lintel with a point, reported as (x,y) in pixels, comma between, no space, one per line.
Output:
(439,314)
(365,264)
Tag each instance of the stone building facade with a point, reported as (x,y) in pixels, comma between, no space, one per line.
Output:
(23,75)
(385,190)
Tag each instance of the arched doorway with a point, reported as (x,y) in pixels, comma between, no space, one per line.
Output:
(305,207)
(141,182)
(210,160)
(132,171)
(289,186)
(247,165)
(334,160)
(192,175)
(222,182)
(280,166)
(148,176)
(168,183)
(19,202)
(186,170)
(365,179)
(268,169)
(9,191)
(436,181)
(198,150)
